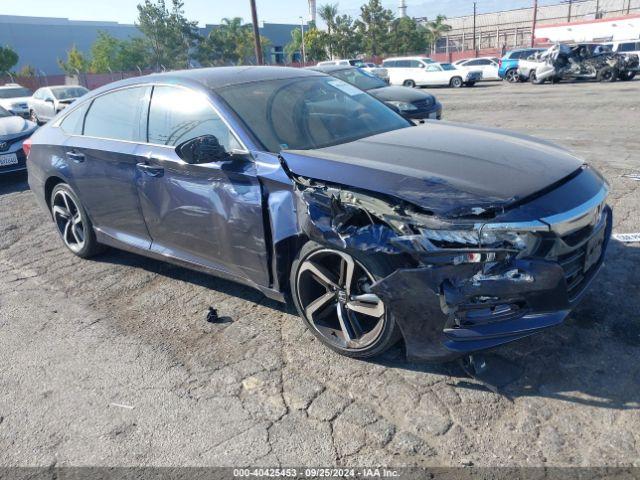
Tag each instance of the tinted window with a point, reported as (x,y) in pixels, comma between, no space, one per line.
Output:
(627,47)
(483,62)
(389,64)
(403,63)
(65,93)
(305,113)
(117,115)
(72,123)
(177,115)
(447,66)
(415,64)
(432,68)
(14,92)
(360,78)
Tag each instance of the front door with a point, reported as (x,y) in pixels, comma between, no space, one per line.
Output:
(102,163)
(209,214)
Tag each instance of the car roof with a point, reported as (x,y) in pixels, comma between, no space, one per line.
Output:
(412,57)
(214,77)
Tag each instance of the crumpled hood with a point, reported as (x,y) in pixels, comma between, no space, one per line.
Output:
(14,126)
(447,168)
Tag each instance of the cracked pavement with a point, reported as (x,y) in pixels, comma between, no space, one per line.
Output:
(110,362)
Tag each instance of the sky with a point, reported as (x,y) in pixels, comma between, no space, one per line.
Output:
(212,11)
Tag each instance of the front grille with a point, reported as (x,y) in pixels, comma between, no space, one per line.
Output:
(423,104)
(581,263)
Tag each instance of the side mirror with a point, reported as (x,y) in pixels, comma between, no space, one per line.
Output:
(49,100)
(204,149)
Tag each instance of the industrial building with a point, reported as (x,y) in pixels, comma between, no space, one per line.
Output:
(40,41)
(513,28)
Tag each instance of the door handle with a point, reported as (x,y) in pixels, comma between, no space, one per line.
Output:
(150,170)
(75,156)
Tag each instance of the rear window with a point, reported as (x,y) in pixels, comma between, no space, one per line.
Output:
(627,47)
(15,92)
(117,115)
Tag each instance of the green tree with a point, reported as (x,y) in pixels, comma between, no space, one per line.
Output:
(104,52)
(315,44)
(132,54)
(328,13)
(406,36)
(27,71)
(76,62)
(347,40)
(435,29)
(170,35)
(8,59)
(230,43)
(374,26)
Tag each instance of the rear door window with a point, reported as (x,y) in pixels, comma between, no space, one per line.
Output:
(72,124)
(627,47)
(118,115)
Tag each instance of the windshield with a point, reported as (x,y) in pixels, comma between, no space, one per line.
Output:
(361,79)
(309,112)
(447,66)
(4,113)
(65,93)
(15,92)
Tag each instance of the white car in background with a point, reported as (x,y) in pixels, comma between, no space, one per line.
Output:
(46,102)
(487,65)
(14,98)
(422,71)
(354,62)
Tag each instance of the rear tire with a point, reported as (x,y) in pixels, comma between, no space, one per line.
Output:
(409,83)
(512,76)
(456,82)
(74,225)
(372,334)
(627,76)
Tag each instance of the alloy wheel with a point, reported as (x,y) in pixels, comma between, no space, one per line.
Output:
(512,76)
(68,218)
(334,294)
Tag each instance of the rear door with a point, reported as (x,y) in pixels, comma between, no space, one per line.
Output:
(102,163)
(210,214)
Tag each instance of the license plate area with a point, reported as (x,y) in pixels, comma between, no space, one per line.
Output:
(10,159)
(593,250)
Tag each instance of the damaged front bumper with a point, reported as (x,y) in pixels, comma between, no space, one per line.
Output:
(452,300)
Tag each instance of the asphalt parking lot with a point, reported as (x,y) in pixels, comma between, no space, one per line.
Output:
(112,362)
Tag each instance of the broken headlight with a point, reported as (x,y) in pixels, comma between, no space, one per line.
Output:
(479,238)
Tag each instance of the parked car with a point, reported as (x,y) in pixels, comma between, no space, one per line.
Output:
(13,131)
(487,65)
(455,238)
(47,102)
(352,62)
(508,66)
(14,98)
(418,72)
(411,103)
(583,61)
(630,47)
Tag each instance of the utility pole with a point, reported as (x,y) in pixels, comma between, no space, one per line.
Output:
(569,14)
(535,20)
(597,9)
(256,32)
(304,55)
(475,50)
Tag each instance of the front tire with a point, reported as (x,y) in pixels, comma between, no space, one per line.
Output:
(409,83)
(74,226)
(607,75)
(456,82)
(330,290)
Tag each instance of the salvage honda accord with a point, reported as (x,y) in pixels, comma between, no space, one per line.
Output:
(455,238)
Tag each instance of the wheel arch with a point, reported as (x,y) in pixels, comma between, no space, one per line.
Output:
(49,185)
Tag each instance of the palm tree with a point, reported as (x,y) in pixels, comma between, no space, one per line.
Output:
(328,13)
(435,29)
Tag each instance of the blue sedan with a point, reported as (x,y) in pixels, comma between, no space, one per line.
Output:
(454,238)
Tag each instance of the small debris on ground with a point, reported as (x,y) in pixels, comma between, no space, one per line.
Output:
(633,176)
(213,317)
(120,405)
(627,237)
